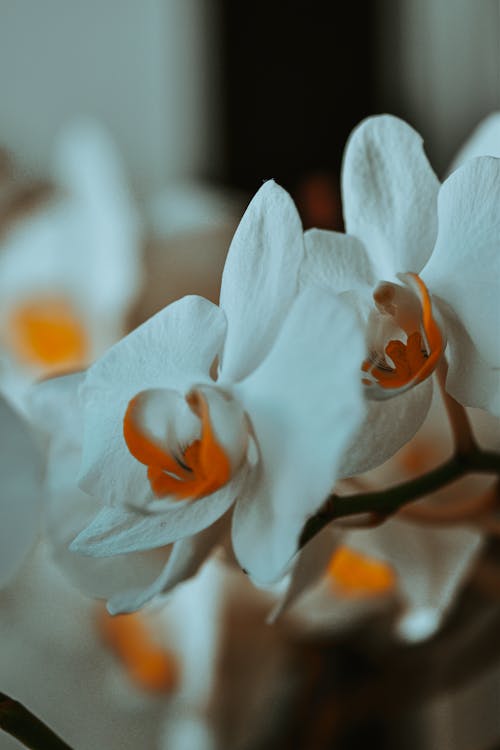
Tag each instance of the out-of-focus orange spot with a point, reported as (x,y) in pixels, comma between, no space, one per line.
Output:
(359,575)
(46,332)
(204,467)
(418,456)
(146,663)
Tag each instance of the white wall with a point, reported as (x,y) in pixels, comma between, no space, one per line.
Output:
(142,67)
(440,61)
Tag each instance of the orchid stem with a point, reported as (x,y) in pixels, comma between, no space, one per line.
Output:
(463,436)
(16,720)
(387,502)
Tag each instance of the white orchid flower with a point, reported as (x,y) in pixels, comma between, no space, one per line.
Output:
(342,576)
(421,263)
(21,495)
(70,270)
(396,257)
(169,450)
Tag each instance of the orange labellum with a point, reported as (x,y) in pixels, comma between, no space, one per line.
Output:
(203,468)
(145,662)
(416,359)
(357,575)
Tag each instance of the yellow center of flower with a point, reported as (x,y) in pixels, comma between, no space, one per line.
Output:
(202,468)
(354,574)
(415,360)
(146,663)
(47,333)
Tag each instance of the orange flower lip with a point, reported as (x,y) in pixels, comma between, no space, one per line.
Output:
(147,664)
(359,575)
(202,468)
(415,360)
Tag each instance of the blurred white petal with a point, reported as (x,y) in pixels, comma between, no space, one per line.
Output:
(21,493)
(431,563)
(309,566)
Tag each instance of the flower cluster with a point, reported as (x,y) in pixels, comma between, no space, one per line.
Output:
(230,426)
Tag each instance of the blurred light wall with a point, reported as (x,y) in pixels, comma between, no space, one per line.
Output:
(143,68)
(439,67)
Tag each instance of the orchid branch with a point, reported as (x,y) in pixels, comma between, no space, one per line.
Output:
(386,502)
(16,720)
(463,437)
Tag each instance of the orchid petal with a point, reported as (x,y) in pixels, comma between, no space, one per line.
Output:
(115,530)
(484,141)
(388,425)
(470,380)
(260,279)
(336,261)
(389,195)
(174,349)
(54,409)
(304,402)
(311,563)
(184,562)
(20,491)
(70,511)
(431,564)
(469,245)
(104,220)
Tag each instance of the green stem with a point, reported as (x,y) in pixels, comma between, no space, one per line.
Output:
(386,502)
(20,723)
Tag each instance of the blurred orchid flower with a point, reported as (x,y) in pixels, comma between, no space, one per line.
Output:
(70,270)
(169,450)
(21,493)
(421,264)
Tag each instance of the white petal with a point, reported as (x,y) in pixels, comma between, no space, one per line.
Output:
(53,406)
(260,279)
(20,491)
(304,402)
(174,349)
(229,423)
(431,564)
(186,729)
(185,559)
(104,224)
(484,141)
(309,566)
(55,409)
(336,261)
(464,269)
(388,425)
(95,577)
(115,531)
(470,380)
(389,195)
